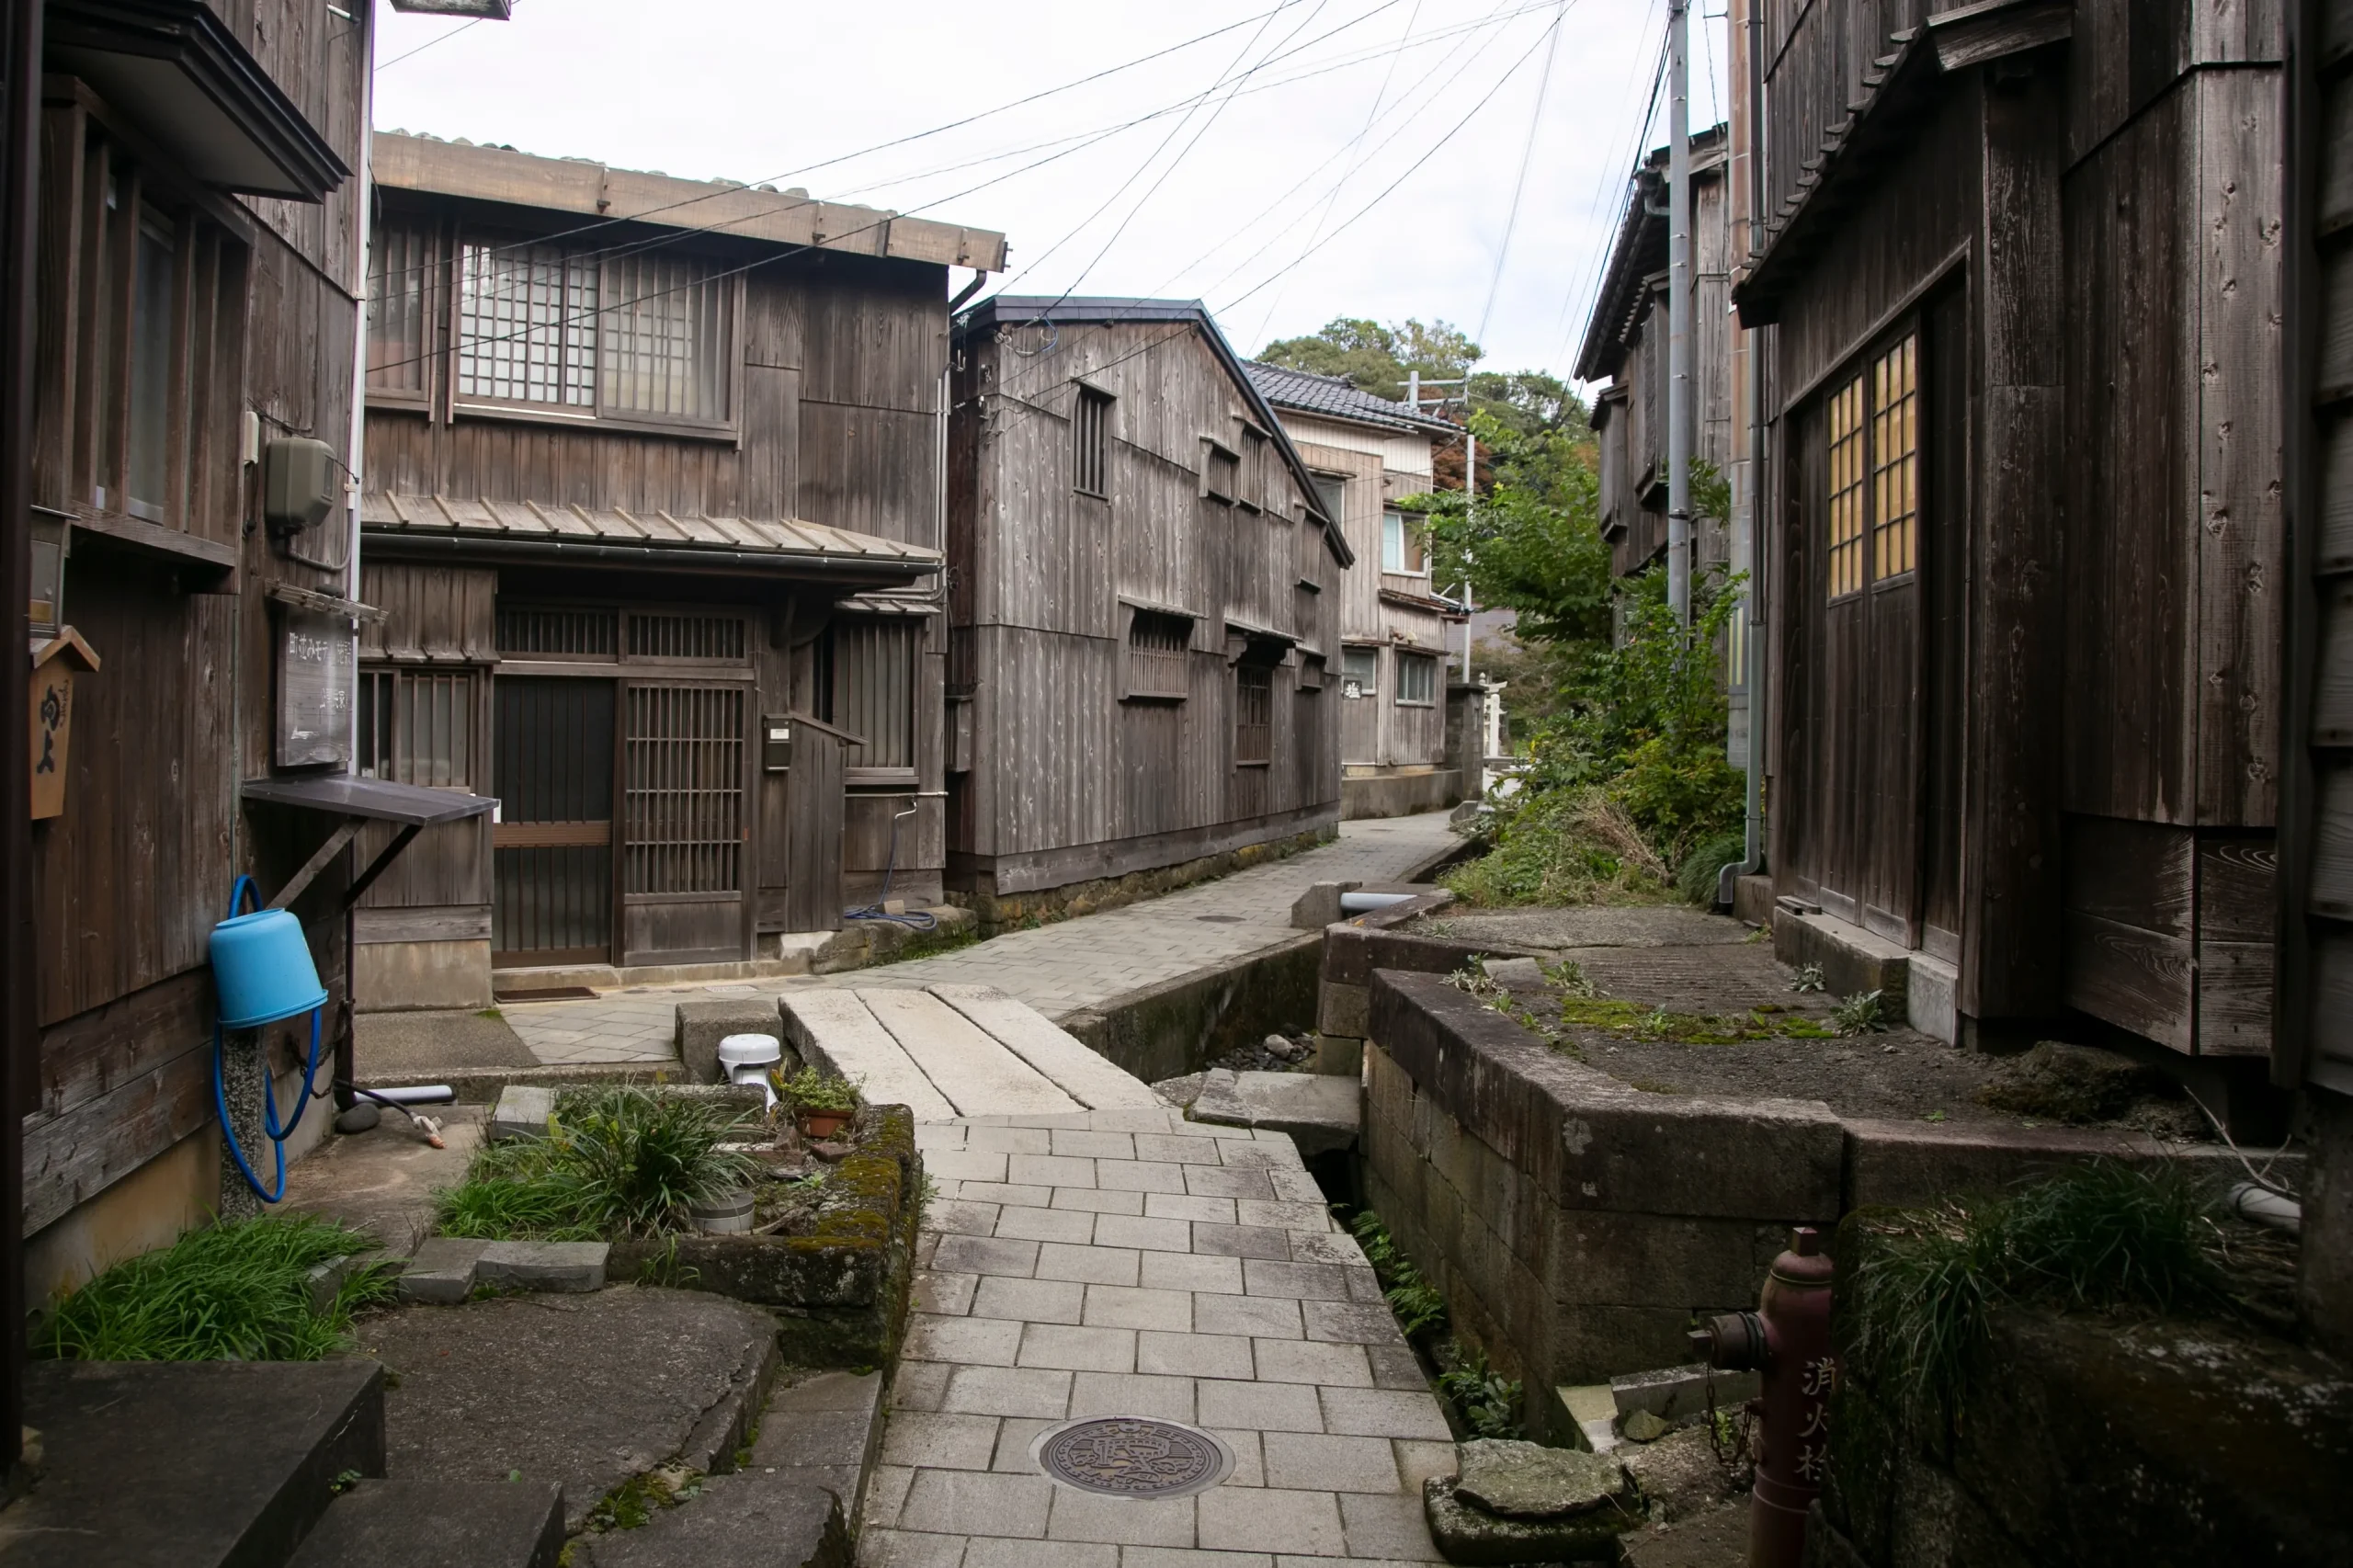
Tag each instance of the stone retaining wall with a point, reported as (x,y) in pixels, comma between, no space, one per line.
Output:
(1575,1224)
(1001,912)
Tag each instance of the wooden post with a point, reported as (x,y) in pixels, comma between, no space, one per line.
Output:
(20,38)
(2010,942)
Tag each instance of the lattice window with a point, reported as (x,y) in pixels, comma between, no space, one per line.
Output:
(559,631)
(1156,649)
(664,349)
(685,795)
(1090,443)
(1895,460)
(526,324)
(418,727)
(1847,489)
(1253,713)
(719,638)
(874,692)
(1417,679)
(400,274)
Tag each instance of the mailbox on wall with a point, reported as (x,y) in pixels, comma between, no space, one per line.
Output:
(776,742)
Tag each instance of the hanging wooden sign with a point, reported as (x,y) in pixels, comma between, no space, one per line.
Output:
(318,675)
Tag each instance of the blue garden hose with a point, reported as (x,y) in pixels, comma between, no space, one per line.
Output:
(277,1135)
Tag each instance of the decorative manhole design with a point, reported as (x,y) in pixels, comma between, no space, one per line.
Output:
(1131,1456)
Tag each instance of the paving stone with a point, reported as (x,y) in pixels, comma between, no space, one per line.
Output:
(964,1341)
(920,1385)
(1088,1264)
(1175,1204)
(1194,1355)
(994,1191)
(945,1295)
(1266,1518)
(1078,1349)
(1121,1306)
(1229,1181)
(880,1548)
(1130,1394)
(1351,1322)
(1135,1231)
(1262,1317)
(1126,1521)
(1242,1241)
(1051,1170)
(1092,1145)
(1312,1218)
(1312,1361)
(1140,1175)
(986,1255)
(441,1272)
(1119,1200)
(940,1441)
(1300,1281)
(960,1217)
(1391,1526)
(1030,1301)
(966,1164)
(1315,1461)
(1024,1224)
(1165,1557)
(1261,1407)
(1383,1412)
(1191,1271)
(543,1265)
(1010,1140)
(522,1111)
(977,1503)
(1180,1148)
(1008,1390)
(1395,1366)
(1325,1246)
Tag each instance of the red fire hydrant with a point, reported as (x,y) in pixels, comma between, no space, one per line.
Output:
(1787,1339)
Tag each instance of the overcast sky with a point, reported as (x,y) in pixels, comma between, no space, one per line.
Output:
(1269,169)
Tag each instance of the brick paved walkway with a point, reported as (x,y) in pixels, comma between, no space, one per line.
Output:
(1058,968)
(1131,1263)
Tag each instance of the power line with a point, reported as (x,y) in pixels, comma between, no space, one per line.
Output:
(1527,155)
(428,43)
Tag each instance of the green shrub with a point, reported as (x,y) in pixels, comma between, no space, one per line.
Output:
(2100,1236)
(616,1161)
(813,1090)
(1486,1400)
(238,1291)
(1563,846)
(1418,1307)
(1696,879)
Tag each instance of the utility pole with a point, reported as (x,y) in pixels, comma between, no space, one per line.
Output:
(1469,500)
(1679,366)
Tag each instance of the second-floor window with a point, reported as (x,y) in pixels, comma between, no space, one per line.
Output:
(1402,550)
(1090,436)
(550,329)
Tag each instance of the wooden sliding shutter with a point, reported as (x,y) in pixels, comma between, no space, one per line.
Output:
(684,755)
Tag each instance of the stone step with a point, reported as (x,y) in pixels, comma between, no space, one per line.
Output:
(1320,1112)
(445,1269)
(430,1524)
(158,1464)
(751,1520)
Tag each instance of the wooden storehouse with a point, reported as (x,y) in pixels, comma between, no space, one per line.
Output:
(1144,609)
(655,507)
(1367,454)
(199,225)
(1624,355)
(2023,534)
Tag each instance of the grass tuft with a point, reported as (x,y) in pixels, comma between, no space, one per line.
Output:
(616,1161)
(238,1291)
(1864,1013)
(2102,1236)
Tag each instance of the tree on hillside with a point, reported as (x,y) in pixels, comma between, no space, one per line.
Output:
(1377,359)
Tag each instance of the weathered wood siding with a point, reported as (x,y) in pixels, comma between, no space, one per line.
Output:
(130,881)
(1070,780)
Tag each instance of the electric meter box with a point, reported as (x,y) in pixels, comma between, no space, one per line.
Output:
(298,483)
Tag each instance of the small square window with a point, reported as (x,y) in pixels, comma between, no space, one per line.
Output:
(1359,672)
(1416,680)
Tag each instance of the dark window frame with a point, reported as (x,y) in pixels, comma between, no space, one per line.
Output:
(1090,446)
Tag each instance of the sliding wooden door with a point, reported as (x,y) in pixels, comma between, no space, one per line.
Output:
(553,847)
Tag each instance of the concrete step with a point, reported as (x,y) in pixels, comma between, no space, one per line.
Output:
(155,1464)
(431,1524)
(752,1521)
(1322,1112)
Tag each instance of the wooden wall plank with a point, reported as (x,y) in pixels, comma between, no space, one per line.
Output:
(2134,873)
(2135,978)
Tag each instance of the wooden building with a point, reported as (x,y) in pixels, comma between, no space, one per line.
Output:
(655,504)
(201,233)
(1624,353)
(1144,609)
(1367,454)
(2023,531)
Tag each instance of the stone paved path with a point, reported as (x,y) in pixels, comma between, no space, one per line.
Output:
(1059,969)
(1132,1263)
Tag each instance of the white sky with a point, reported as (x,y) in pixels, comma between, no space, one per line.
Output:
(1205,206)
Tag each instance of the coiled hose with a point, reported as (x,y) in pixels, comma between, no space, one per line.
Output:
(277,1135)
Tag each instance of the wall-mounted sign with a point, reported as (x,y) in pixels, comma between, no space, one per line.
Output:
(55,662)
(318,676)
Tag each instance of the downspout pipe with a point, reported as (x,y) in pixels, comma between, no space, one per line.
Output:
(1752,387)
(1680,347)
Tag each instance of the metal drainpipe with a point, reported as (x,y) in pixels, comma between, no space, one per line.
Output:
(1752,379)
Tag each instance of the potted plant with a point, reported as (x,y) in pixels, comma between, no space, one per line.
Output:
(821,1105)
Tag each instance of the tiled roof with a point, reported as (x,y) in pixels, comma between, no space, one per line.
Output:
(1338,398)
(543,522)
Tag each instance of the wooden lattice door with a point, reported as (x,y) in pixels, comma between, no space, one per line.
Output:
(552,855)
(685,758)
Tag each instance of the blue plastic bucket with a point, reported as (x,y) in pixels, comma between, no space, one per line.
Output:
(262,970)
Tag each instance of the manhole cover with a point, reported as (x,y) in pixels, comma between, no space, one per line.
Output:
(1131,1456)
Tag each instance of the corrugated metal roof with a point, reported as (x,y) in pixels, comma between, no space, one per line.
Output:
(384,513)
(1338,398)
